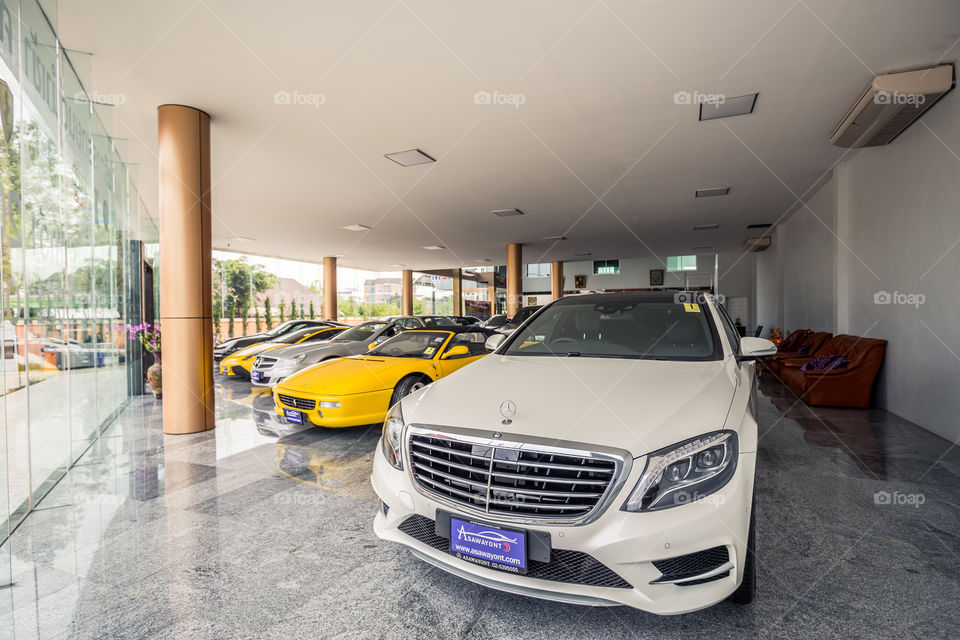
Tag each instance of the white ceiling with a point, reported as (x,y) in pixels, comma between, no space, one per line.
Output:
(598,120)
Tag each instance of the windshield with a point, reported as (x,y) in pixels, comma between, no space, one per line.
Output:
(439,321)
(297,336)
(360,332)
(412,344)
(286,327)
(621,327)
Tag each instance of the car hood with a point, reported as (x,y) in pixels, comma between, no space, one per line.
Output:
(637,405)
(319,350)
(345,376)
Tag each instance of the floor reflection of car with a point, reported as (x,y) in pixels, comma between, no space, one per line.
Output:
(271,368)
(337,461)
(358,390)
(603,454)
(241,362)
(232,345)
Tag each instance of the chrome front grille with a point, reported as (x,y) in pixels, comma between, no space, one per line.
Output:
(524,481)
(299,403)
(264,362)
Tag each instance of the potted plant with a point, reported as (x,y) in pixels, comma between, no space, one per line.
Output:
(149,337)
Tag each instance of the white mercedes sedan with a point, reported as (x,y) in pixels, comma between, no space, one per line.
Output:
(604,454)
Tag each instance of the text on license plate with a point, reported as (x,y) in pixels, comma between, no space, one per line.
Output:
(292,415)
(488,546)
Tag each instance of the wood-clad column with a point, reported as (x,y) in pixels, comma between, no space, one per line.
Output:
(458,292)
(406,294)
(183,136)
(330,288)
(556,279)
(514,278)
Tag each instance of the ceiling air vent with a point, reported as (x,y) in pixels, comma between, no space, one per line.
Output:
(890,104)
(757,244)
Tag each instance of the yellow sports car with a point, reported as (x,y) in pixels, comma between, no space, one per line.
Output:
(358,390)
(240,363)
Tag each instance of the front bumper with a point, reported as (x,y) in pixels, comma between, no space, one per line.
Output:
(626,543)
(270,377)
(355,409)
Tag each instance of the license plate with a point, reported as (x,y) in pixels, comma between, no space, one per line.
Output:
(292,415)
(489,546)
(255,376)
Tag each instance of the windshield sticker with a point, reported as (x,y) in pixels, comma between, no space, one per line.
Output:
(429,351)
(691,307)
(439,339)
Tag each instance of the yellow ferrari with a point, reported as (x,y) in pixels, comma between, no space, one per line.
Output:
(240,363)
(358,390)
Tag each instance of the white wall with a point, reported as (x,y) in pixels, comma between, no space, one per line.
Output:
(737,274)
(892,217)
(634,274)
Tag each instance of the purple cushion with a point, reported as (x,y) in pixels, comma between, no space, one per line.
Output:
(825,363)
(804,350)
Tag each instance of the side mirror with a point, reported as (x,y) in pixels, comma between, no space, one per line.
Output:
(756,348)
(457,351)
(494,341)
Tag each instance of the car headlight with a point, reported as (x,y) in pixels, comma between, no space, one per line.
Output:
(685,472)
(300,358)
(390,441)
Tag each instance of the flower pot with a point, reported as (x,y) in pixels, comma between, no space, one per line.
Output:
(154,376)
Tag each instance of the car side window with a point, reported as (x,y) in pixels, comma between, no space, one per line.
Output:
(410,323)
(732,334)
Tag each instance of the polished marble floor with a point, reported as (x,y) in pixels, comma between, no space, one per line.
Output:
(260,530)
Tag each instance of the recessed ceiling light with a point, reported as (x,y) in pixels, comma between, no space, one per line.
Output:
(484,260)
(356,227)
(582,253)
(707,193)
(398,265)
(705,227)
(761,225)
(434,247)
(506,213)
(409,157)
(338,255)
(702,246)
(738,106)
(555,238)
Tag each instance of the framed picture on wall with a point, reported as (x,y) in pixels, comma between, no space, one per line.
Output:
(656,277)
(579,282)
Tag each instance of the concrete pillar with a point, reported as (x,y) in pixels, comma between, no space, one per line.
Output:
(514,278)
(457,292)
(329,288)
(492,296)
(183,137)
(556,279)
(406,297)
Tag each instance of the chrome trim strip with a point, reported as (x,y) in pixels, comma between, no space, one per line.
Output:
(622,461)
(725,567)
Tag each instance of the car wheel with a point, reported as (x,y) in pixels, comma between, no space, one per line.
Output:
(748,588)
(407,386)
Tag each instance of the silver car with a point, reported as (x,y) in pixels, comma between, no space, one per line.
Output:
(277,364)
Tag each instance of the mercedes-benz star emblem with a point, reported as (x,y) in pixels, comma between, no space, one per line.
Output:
(508,409)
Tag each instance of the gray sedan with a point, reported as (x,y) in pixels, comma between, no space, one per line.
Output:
(277,364)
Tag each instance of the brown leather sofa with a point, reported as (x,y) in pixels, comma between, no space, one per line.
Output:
(849,386)
(792,346)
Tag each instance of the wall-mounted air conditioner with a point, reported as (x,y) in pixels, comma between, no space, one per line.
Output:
(891,104)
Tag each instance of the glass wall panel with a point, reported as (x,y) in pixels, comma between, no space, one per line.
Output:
(45,259)
(69,214)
